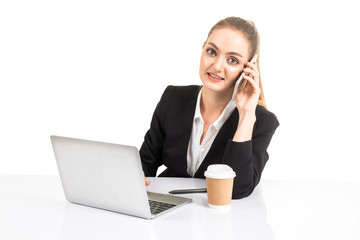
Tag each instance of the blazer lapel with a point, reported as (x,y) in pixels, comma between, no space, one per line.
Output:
(180,123)
(186,132)
(216,151)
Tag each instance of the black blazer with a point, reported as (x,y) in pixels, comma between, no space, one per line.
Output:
(167,140)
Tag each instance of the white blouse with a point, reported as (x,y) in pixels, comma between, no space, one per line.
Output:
(196,151)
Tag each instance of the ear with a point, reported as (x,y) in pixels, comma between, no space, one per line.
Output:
(204,44)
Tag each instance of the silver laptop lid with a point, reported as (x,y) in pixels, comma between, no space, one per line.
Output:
(102,175)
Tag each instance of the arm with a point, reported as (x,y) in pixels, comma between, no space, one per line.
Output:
(248,158)
(246,102)
(247,153)
(245,127)
(151,149)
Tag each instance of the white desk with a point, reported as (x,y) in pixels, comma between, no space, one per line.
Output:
(34,207)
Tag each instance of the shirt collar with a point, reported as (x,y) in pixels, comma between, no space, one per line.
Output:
(197,109)
(225,114)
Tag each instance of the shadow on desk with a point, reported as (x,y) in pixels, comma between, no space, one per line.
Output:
(81,222)
(246,220)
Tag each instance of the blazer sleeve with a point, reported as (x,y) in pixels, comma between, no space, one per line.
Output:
(151,149)
(248,158)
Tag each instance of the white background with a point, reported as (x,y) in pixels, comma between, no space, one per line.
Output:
(96,70)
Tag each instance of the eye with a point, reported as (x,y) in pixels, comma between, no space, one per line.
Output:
(211,52)
(233,61)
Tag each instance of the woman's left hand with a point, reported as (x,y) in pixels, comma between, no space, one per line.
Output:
(247,98)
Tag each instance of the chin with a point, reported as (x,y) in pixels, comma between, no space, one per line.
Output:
(215,86)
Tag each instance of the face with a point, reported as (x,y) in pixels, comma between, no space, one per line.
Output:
(223,58)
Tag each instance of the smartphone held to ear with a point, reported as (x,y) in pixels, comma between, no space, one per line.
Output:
(240,81)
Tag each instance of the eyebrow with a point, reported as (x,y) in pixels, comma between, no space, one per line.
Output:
(231,53)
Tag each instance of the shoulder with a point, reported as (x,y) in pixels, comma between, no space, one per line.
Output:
(265,120)
(180,93)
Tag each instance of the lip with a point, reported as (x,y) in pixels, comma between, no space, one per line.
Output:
(214,79)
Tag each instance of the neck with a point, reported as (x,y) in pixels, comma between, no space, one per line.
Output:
(213,103)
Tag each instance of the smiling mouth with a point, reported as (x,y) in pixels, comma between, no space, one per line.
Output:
(215,76)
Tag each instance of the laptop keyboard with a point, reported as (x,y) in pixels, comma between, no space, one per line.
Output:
(158,207)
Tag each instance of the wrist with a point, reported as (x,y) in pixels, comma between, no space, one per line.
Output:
(245,127)
(247,117)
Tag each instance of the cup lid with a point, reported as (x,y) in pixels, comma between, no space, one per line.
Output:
(219,171)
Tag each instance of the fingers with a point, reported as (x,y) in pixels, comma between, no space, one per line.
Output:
(147,182)
(254,84)
(253,66)
(252,76)
(252,70)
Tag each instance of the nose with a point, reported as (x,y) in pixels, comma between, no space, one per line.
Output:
(219,64)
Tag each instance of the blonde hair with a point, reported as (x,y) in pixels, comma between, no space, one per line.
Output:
(250,31)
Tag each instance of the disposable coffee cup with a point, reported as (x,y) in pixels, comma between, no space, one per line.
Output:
(219,183)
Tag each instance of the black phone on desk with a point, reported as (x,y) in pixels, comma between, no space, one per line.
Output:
(240,81)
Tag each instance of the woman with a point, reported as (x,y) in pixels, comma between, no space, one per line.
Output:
(195,126)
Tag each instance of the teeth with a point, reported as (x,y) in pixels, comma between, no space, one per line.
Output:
(215,76)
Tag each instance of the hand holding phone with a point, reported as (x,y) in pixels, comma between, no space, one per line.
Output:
(240,79)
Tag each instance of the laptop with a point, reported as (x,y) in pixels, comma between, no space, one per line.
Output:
(108,176)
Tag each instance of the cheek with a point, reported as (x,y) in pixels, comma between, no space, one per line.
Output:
(205,61)
(201,61)
(202,65)
(233,73)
